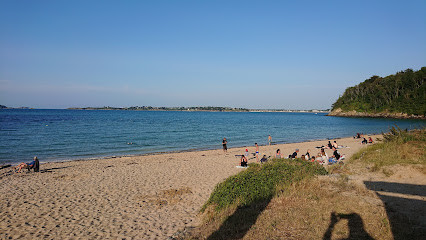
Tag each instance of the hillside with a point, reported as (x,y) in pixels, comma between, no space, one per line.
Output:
(401,96)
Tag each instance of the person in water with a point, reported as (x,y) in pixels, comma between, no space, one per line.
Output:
(269,139)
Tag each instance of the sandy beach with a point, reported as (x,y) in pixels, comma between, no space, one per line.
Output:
(138,197)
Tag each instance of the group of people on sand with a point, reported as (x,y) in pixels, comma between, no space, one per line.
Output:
(364,140)
(321,157)
(245,157)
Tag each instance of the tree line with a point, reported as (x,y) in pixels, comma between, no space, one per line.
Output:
(403,92)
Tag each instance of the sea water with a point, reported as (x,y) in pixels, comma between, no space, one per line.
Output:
(58,135)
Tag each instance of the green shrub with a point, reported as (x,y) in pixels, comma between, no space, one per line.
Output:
(259,182)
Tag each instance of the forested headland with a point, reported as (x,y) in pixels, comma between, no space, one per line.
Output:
(402,95)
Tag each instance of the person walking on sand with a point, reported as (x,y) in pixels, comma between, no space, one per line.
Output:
(224,142)
(257,152)
(269,139)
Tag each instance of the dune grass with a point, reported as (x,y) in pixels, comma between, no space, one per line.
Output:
(397,147)
(260,182)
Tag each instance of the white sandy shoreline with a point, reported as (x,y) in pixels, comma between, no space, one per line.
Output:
(131,197)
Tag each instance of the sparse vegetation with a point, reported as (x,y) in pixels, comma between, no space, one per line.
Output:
(398,147)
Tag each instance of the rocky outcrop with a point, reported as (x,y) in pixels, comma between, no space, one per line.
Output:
(340,113)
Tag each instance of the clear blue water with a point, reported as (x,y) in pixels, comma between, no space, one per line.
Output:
(56,135)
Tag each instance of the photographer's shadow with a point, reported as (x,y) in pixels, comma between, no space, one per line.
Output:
(355,224)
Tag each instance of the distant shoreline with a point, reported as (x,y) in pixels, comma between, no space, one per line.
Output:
(199,109)
(181,109)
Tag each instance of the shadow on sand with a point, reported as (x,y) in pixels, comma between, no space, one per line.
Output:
(51,169)
(234,227)
(355,224)
(404,206)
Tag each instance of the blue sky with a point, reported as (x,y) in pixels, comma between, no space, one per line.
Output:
(254,54)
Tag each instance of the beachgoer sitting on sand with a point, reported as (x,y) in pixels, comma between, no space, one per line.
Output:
(264,159)
(370,140)
(336,153)
(28,166)
(325,163)
(243,161)
(364,141)
(324,155)
(278,154)
(308,154)
(313,159)
(246,154)
(294,155)
(336,156)
(318,157)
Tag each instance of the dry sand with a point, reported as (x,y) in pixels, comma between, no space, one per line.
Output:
(138,197)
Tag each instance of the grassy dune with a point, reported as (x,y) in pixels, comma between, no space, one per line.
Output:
(292,199)
(398,147)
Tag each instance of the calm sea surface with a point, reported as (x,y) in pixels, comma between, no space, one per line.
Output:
(56,135)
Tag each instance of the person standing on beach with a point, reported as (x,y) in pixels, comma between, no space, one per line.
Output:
(257,152)
(269,139)
(224,142)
